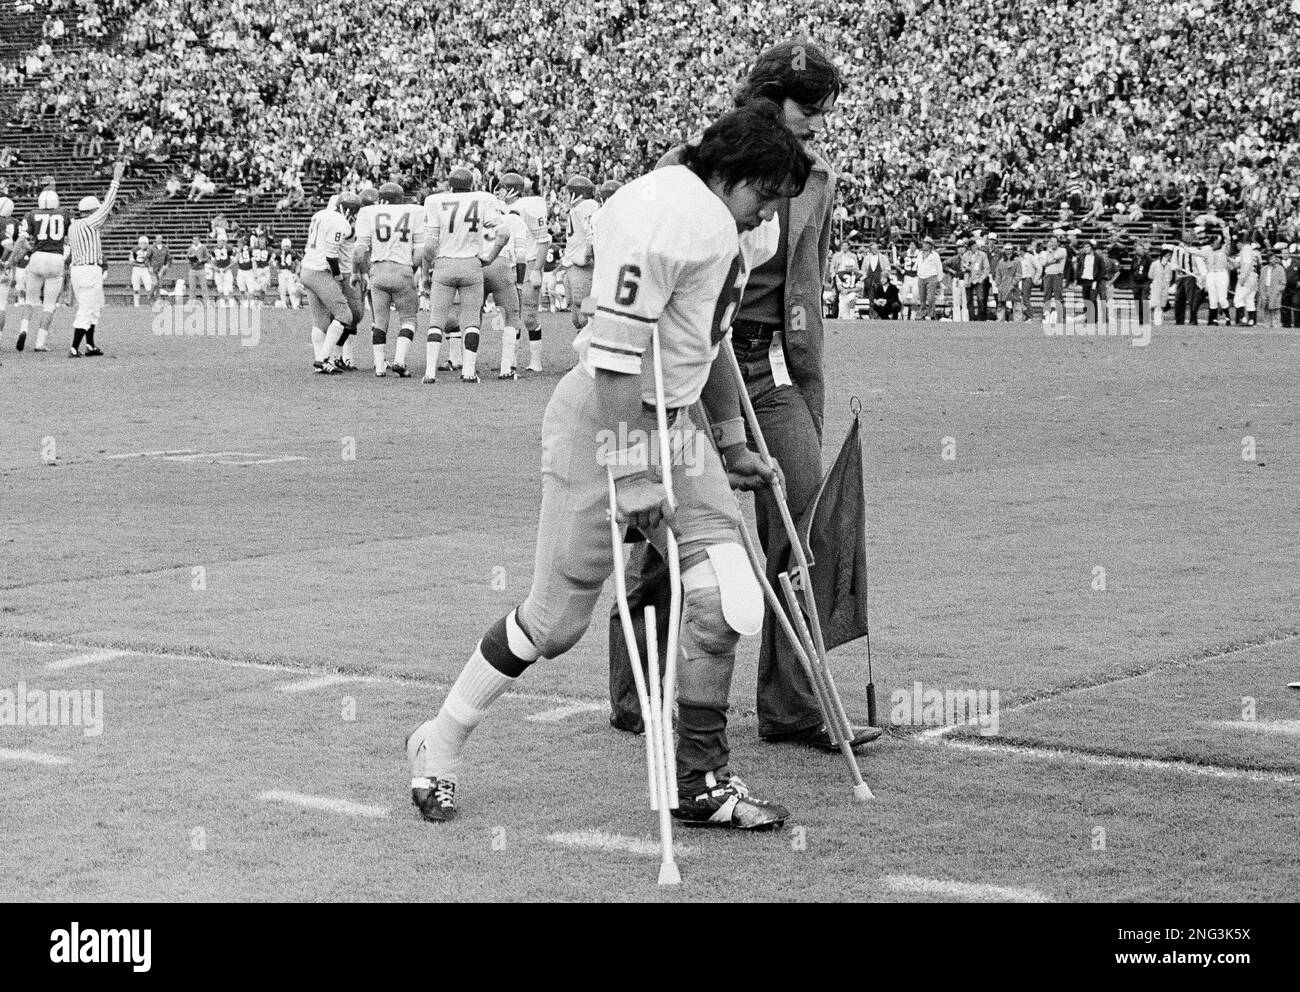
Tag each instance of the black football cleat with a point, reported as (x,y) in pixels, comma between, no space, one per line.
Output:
(469,378)
(326,368)
(400,371)
(21,342)
(93,352)
(727,803)
(435,798)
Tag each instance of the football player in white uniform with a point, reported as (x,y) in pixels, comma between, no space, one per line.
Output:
(532,210)
(675,253)
(141,277)
(286,282)
(390,243)
(578,258)
(503,279)
(322,274)
(457,222)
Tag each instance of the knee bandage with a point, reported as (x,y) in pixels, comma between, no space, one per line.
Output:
(721,598)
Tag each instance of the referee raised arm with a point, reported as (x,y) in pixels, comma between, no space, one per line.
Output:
(88,264)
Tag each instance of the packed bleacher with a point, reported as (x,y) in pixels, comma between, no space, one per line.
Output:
(985,114)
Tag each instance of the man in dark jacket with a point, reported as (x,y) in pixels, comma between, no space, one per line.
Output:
(777,336)
(1139,280)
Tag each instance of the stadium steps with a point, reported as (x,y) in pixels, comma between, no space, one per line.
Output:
(46,154)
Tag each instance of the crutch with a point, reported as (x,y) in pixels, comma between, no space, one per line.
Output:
(802,639)
(652,697)
(656,698)
(802,645)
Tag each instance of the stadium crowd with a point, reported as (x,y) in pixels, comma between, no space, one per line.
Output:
(955,115)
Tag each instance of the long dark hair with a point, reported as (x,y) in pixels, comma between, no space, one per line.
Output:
(751,144)
(796,70)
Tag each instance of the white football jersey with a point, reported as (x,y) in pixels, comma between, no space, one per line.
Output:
(668,253)
(325,239)
(459,222)
(516,249)
(534,212)
(392,232)
(579,239)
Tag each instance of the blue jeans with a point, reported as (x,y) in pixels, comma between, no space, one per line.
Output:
(786,702)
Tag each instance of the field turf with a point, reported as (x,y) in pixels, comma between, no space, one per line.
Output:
(194,526)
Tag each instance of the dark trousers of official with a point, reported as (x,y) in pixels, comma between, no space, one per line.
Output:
(786,702)
(977,300)
(1187,297)
(1140,292)
(1088,289)
(1291,307)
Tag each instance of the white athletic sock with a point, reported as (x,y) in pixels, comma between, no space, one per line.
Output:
(403,347)
(455,350)
(379,356)
(331,341)
(24,327)
(509,347)
(431,350)
(444,737)
(40,337)
(347,351)
(535,353)
(470,365)
(136,299)
(318,343)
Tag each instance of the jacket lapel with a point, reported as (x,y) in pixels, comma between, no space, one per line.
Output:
(801,207)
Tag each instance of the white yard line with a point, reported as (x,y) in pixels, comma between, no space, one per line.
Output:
(151,454)
(310,685)
(35,757)
(967,891)
(90,658)
(344,806)
(564,712)
(316,671)
(1112,761)
(599,840)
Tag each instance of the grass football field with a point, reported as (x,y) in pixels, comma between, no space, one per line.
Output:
(257,580)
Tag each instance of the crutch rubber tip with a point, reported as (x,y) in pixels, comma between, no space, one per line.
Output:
(669,874)
(862,792)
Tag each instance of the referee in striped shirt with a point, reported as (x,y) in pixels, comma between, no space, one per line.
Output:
(88,264)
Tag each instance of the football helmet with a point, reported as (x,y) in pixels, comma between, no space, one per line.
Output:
(222,237)
(580,187)
(349,205)
(286,244)
(88,204)
(461,180)
(368,196)
(607,189)
(511,187)
(142,241)
(48,200)
(391,192)
(6,206)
